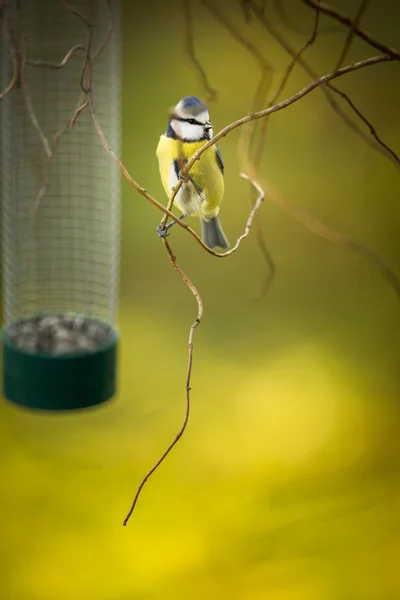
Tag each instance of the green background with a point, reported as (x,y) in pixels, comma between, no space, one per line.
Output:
(286,483)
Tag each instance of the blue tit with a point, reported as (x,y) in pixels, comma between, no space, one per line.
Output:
(201,194)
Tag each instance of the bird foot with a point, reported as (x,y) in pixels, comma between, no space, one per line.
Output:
(162,231)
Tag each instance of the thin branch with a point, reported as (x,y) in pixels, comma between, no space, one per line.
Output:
(76,12)
(253,211)
(252,116)
(285,103)
(189,43)
(250,47)
(371,128)
(184,277)
(77,113)
(268,259)
(345,20)
(293,26)
(247,134)
(181,164)
(326,90)
(14,77)
(60,65)
(361,9)
(265,67)
(180,433)
(355,22)
(255,163)
(335,237)
(29,105)
(244,4)
(36,124)
(196,294)
(282,86)
(87,65)
(108,34)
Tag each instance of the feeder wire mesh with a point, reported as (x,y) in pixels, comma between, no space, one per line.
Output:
(60,195)
(60,191)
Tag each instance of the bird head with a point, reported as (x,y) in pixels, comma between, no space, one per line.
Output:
(190,121)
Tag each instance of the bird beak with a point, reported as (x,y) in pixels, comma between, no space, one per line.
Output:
(208,125)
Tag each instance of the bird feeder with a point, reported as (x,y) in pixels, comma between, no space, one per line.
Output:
(60,195)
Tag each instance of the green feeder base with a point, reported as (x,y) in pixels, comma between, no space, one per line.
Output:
(62,382)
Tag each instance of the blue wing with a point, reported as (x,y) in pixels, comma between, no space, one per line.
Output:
(177,169)
(219,159)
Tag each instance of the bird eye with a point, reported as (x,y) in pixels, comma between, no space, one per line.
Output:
(192,121)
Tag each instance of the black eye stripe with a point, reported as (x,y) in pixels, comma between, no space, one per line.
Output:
(192,121)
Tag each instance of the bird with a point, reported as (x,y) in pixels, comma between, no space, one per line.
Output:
(202,191)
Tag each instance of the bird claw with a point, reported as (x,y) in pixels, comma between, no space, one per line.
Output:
(162,231)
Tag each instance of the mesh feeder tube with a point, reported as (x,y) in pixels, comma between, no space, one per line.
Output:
(60,197)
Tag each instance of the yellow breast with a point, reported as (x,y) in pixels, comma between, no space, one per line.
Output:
(205,172)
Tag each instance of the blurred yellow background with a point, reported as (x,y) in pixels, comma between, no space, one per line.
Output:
(286,483)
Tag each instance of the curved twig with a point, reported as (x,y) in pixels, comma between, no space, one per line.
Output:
(284,103)
(195,324)
(60,65)
(295,27)
(345,20)
(212,93)
(355,22)
(326,90)
(335,237)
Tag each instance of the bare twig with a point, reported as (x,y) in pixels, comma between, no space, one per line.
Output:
(60,65)
(266,69)
(184,277)
(371,128)
(293,26)
(189,37)
(285,103)
(197,321)
(244,4)
(335,237)
(269,277)
(252,116)
(361,9)
(255,163)
(348,22)
(355,22)
(87,65)
(107,36)
(76,12)
(29,105)
(15,75)
(250,47)
(326,90)
(282,86)
(196,294)
(14,78)
(36,124)
(78,111)
(249,133)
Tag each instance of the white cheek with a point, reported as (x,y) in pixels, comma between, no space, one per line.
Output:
(187,131)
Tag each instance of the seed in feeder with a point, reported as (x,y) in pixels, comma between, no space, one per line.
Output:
(64,347)
(26,343)
(59,334)
(84,343)
(79,322)
(27,328)
(48,322)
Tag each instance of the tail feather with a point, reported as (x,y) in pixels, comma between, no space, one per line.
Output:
(213,234)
